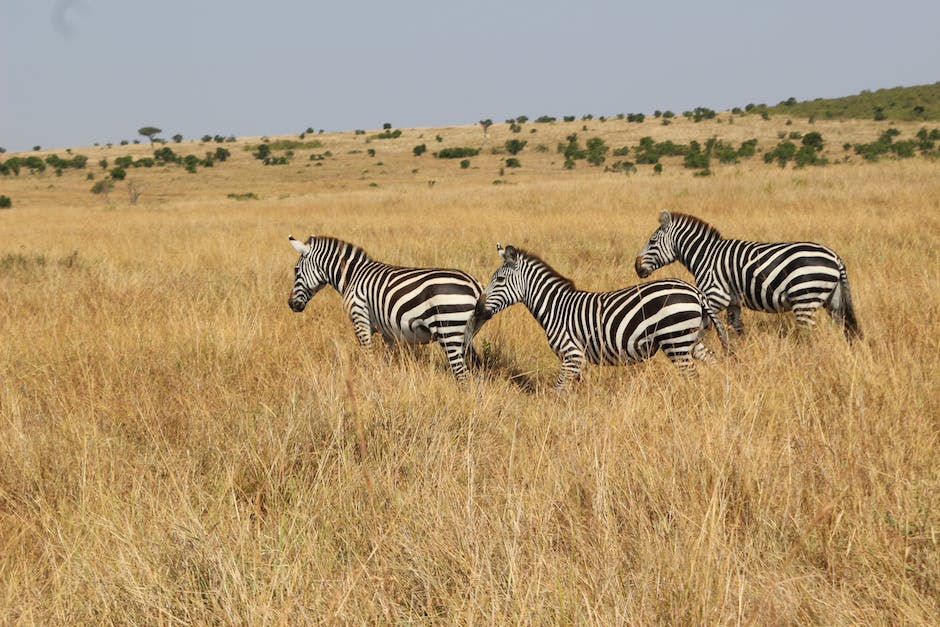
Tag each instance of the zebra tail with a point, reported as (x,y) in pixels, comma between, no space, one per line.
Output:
(842,303)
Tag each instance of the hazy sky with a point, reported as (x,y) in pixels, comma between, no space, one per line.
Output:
(75,72)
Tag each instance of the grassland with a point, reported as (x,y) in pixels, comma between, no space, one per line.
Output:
(177,446)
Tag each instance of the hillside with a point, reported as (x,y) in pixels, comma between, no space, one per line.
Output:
(917,103)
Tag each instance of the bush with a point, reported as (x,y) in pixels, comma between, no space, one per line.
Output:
(464,164)
(104,186)
(748,149)
(544,119)
(596,150)
(515,146)
(781,153)
(814,140)
(695,158)
(34,164)
(419,150)
(512,162)
(118,173)
(808,155)
(5,202)
(262,153)
(388,134)
(457,152)
(165,155)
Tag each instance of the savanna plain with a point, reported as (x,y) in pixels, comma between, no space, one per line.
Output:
(178,447)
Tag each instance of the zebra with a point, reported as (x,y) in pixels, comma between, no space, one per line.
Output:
(623,326)
(771,277)
(408,305)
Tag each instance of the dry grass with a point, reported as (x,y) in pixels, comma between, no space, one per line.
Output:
(177,446)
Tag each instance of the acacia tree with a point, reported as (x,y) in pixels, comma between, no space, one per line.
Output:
(486,124)
(149,132)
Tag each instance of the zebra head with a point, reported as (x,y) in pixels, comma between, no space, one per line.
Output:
(505,288)
(659,250)
(309,274)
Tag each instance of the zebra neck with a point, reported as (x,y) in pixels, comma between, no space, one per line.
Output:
(542,292)
(348,261)
(697,254)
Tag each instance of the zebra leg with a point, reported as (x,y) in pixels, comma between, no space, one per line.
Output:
(806,313)
(681,355)
(454,351)
(703,353)
(571,365)
(734,318)
(472,357)
(361,326)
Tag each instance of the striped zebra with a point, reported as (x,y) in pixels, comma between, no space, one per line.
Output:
(409,305)
(771,277)
(624,326)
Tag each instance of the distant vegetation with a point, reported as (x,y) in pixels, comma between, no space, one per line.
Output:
(921,102)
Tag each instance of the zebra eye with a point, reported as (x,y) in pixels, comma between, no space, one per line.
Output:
(499,280)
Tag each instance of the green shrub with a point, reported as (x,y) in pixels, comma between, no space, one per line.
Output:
(34,164)
(166,155)
(457,152)
(695,158)
(596,150)
(814,140)
(545,119)
(781,153)
(419,150)
(512,162)
(515,146)
(388,134)
(5,202)
(244,196)
(808,155)
(748,149)
(102,187)
(464,164)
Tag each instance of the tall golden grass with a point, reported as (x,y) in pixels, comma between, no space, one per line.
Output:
(177,446)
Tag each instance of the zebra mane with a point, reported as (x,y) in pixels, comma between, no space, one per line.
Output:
(538,261)
(337,244)
(704,226)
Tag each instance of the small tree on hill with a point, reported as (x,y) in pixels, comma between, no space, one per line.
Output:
(149,132)
(486,124)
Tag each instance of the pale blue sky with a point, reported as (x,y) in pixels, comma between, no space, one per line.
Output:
(75,72)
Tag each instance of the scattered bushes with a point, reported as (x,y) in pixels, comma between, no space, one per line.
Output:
(388,134)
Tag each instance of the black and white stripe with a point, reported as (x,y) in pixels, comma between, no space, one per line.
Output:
(772,277)
(624,326)
(410,305)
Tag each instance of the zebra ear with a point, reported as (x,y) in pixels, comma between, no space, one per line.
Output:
(500,250)
(298,246)
(665,218)
(508,254)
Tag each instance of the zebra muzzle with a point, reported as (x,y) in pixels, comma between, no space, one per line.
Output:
(481,313)
(641,270)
